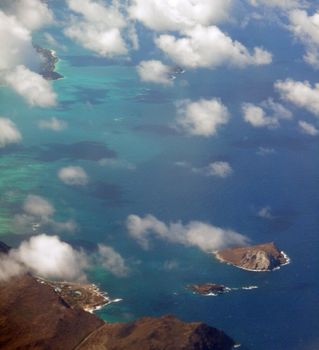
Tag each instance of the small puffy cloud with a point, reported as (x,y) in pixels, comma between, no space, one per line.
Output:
(46,256)
(33,14)
(177,15)
(216,169)
(265,213)
(301,94)
(265,151)
(112,261)
(73,175)
(155,72)
(8,133)
(38,206)
(32,86)
(308,128)
(97,27)
(206,237)
(209,47)
(53,124)
(257,117)
(219,169)
(201,118)
(38,212)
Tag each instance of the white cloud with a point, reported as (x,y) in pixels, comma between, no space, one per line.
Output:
(38,206)
(219,169)
(308,128)
(33,14)
(198,234)
(97,27)
(176,15)
(201,118)
(32,86)
(73,175)
(209,47)
(46,256)
(306,29)
(53,124)
(38,212)
(8,132)
(257,117)
(155,72)
(15,43)
(265,213)
(265,151)
(112,261)
(299,93)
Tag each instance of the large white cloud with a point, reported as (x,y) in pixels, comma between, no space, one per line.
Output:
(8,132)
(155,72)
(73,175)
(300,93)
(17,54)
(209,47)
(203,117)
(176,15)
(33,14)
(112,261)
(97,27)
(306,29)
(198,234)
(46,256)
(33,87)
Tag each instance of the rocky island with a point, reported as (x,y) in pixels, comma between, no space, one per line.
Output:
(48,63)
(262,257)
(208,289)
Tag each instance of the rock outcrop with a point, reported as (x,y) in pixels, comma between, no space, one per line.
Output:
(207,288)
(263,257)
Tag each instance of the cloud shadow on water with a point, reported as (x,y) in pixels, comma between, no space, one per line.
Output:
(84,150)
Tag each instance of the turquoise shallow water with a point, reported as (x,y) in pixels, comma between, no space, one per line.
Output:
(111,114)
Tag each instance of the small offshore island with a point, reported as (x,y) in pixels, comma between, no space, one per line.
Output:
(48,63)
(208,289)
(262,257)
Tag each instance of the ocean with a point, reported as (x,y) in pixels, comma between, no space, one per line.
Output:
(121,131)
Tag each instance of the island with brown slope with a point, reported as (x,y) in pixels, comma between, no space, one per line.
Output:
(262,257)
(208,289)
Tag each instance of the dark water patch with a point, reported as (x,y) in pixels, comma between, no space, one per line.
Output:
(90,60)
(112,194)
(84,150)
(161,130)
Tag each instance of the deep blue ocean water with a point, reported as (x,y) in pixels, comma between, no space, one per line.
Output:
(111,114)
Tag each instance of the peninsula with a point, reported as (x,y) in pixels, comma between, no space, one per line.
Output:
(262,257)
(45,315)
